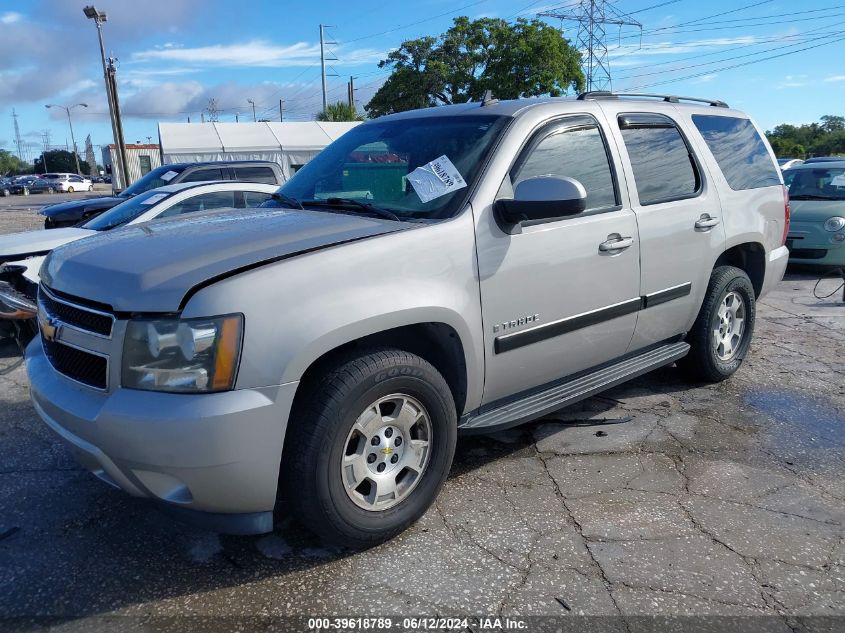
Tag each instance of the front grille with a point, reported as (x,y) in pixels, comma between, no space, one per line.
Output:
(77,317)
(84,367)
(808,253)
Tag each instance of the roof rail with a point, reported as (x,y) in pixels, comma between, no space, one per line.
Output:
(668,98)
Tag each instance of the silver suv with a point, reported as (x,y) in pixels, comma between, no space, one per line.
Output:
(463,268)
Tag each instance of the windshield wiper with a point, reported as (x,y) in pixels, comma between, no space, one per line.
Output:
(288,200)
(346,203)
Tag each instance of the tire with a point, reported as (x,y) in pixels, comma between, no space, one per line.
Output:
(90,187)
(70,189)
(50,190)
(331,435)
(25,191)
(714,357)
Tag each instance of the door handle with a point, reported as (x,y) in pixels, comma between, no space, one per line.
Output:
(616,243)
(705,222)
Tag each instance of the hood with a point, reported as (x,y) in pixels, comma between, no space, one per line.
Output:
(75,208)
(816,210)
(151,267)
(17,245)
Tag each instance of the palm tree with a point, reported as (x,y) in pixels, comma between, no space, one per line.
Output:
(340,111)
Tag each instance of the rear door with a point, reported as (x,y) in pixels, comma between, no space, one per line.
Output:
(679,218)
(554,300)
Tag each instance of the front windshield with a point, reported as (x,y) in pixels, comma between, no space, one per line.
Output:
(126,211)
(158,177)
(386,164)
(818,183)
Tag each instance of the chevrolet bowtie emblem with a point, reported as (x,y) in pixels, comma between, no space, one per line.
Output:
(50,328)
(387,450)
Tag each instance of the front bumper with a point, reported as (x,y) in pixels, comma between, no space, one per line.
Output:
(214,457)
(811,244)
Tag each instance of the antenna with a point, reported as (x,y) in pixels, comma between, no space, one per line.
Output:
(592,17)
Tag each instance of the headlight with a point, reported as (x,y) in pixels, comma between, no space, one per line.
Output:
(834,224)
(182,355)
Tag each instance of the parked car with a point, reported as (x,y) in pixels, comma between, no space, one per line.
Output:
(41,185)
(20,186)
(21,254)
(69,182)
(72,213)
(817,198)
(5,185)
(823,159)
(463,268)
(786,163)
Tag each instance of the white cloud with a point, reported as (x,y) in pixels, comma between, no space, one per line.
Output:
(10,17)
(254,53)
(835,78)
(706,78)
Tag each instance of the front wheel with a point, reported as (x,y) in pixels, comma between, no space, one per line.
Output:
(721,335)
(369,446)
(70,189)
(90,187)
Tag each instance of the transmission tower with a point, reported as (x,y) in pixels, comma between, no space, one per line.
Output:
(593,18)
(18,141)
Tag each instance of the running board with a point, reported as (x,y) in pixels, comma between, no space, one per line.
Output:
(560,395)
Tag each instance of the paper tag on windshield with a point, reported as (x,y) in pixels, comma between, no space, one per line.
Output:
(155,198)
(436,179)
(168,176)
(838,181)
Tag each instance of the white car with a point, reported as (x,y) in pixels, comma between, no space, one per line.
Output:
(21,254)
(69,182)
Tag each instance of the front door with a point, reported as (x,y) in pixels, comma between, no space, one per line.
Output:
(678,213)
(558,297)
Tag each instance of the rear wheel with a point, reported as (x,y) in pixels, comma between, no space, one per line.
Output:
(721,335)
(50,190)
(90,187)
(25,191)
(70,189)
(369,447)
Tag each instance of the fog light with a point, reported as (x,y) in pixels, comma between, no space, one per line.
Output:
(838,238)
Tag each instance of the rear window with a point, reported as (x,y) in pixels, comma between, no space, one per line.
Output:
(256,174)
(738,149)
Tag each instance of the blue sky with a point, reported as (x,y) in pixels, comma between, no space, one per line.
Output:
(175,55)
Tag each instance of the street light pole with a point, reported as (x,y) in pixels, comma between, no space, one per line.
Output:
(67,109)
(121,180)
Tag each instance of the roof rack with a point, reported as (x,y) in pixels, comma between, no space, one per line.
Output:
(668,98)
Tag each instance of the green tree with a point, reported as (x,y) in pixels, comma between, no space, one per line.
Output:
(11,164)
(527,58)
(61,161)
(811,139)
(340,111)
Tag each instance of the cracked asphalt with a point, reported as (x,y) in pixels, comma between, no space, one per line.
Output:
(656,498)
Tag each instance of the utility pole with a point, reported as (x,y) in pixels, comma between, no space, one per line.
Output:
(45,139)
(18,142)
(323,59)
(121,142)
(281,110)
(350,92)
(592,17)
(252,103)
(120,179)
(67,110)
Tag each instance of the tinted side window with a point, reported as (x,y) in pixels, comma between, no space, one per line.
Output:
(738,149)
(202,202)
(575,152)
(663,166)
(256,174)
(203,174)
(256,198)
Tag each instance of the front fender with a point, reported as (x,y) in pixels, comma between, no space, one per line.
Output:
(297,310)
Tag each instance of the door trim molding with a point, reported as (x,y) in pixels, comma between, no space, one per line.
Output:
(515,340)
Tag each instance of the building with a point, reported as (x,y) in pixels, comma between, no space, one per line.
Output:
(140,159)
(290,144)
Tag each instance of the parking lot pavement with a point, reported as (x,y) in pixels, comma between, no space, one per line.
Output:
(20,213)
(657,498)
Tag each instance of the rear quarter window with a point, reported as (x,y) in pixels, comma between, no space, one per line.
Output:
(256,174)
(739,151)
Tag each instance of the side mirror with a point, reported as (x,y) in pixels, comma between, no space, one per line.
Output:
(542,198)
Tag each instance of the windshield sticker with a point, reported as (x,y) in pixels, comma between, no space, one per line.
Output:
(838,181)
(168,176)
(155,198)
(435,179)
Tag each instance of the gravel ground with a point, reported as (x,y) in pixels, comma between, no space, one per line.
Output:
(20,213)
(657,498)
